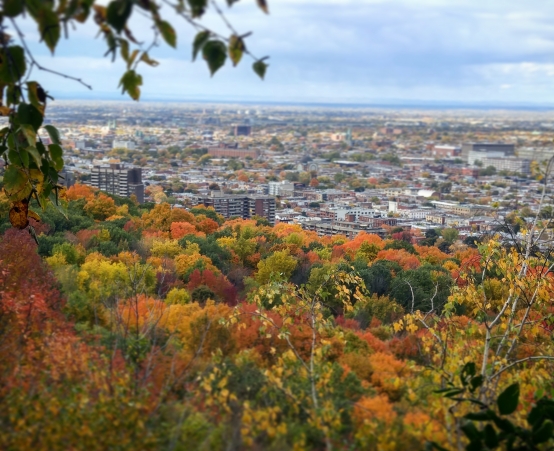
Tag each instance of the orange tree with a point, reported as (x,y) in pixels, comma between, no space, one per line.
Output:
(33,164)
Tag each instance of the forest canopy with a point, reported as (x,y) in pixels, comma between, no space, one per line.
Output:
(154,327)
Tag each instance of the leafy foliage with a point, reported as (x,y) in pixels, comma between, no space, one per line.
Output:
(217,334)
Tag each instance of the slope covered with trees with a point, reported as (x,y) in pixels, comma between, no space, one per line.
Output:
(150,327)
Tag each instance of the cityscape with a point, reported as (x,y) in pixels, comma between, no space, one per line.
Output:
(331,170)
(293,225)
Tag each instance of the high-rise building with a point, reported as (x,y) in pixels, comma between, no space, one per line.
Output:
(243,206)
(118,179)
(67,178)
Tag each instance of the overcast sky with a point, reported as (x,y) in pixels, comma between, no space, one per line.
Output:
(343,51)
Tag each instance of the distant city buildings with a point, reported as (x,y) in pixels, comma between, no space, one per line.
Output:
(225,150)
(242,130)
(67,178)
(282,188)
(242,206)
(486,149)
(511,164)
(119,180)
(130,145)
(443,151)
(400,171)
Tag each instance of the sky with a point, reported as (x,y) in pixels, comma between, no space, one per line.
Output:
(497,52)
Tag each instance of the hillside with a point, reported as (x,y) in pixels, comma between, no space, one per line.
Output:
(149,327)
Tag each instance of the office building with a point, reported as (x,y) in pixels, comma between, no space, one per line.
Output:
(118,179)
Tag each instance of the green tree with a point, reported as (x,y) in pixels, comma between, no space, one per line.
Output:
(425,288)
(450,235)
(279,265)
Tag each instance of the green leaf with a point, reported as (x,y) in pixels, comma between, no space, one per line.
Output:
(13,156)
(36,95)
(483,415)
(36,155)
(260,68)
(130,83)
(236,49)
(56,154)
(132,58)
(41,149)
(197,7)
(13,8)
(53,133)
(53,174)
(198,43)
(507,400)
(215,54)
(504,424)
(262,4)
(29,132)
(28,114)
(49,27)
(15,183)
(124,49)
(118,12)
(12,64)
(491,439)
(471,432)
(453,392)
(167,32)
(57,206)
(146,59)
(467,370)
(476,382)
(544,433)
(24,157)
(13,94)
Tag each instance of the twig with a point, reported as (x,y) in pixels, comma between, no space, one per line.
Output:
(39,66)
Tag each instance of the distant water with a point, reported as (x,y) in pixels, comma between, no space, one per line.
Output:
(395,104)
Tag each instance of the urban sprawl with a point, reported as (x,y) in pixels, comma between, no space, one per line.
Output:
(334,171)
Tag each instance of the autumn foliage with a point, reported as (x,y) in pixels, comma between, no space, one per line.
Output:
(171,329)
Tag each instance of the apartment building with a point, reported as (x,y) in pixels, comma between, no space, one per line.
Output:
(282,188)
(243,206)
(118,179)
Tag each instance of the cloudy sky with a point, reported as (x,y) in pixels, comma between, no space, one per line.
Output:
(342,51)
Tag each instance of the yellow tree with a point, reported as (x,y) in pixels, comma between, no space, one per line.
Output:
(303,373)
(504,331)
